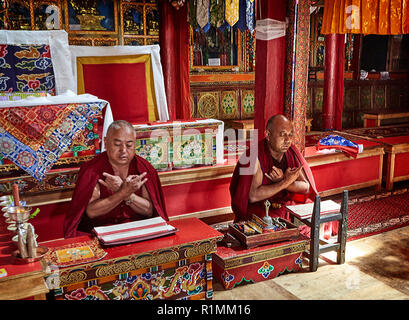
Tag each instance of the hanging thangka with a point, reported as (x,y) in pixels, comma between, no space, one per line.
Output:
(222,14)
(203,14)
(192,14)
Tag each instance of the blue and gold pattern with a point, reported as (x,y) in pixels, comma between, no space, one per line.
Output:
(26,68)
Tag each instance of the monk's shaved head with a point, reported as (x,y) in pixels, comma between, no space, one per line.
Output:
(276,121)
(279,135)
(118,125)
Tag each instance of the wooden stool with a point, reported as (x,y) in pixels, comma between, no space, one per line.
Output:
(317,245)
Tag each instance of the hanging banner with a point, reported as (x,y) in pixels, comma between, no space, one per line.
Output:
(232,12)
(250,15)
(203,14)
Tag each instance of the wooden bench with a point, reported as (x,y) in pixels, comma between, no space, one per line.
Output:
(374,118)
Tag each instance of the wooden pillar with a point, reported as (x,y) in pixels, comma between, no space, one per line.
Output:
(333,81)
(269,73)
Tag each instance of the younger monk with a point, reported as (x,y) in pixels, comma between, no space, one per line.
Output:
(116,186)
(278,173)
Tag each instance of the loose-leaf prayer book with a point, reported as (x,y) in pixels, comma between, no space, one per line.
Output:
(304,211)
(133,231)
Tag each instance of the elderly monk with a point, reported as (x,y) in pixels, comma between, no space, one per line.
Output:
(277,172)
(116,186)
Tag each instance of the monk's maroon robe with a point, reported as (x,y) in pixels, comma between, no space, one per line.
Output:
(77,222)
(240,187)
(240,184)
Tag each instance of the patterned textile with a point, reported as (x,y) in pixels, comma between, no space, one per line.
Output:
(241,23)
(203,14)
(296,63)
(250,15)
(14,96)
(232,12)
(192,13)
(26,68)
(35,137)
(75,253)
(339,143)
(217,13)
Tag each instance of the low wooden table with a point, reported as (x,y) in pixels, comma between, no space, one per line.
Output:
(177,266)
(374,118)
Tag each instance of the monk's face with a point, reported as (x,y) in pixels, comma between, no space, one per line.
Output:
(120,146)
(280,136)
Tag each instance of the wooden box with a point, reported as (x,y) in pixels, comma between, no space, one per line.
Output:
(237,266)
(266,237)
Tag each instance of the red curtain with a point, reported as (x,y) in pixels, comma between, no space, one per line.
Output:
(174,51)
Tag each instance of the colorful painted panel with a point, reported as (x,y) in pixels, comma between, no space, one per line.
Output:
(26,68)
(351,98)
(379,97)
(156,151)
(191,150)
(247,104)
(229,108)
(175,282)
(35,137)
(208,105)
(365,98)
(256,272)
(53,181)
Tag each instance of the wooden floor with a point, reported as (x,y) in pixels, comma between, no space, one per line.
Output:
(376,267)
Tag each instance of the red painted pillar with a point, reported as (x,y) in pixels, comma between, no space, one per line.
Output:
(333,81)
(269,73)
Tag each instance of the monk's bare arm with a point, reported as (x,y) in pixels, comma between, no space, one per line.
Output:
(259,192)
(301,185)
(141,204)
(98,207)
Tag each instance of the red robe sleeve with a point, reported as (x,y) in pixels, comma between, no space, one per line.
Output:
(87,178)
(85,184)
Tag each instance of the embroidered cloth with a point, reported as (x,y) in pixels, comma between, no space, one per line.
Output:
(34,137)
(339,143)
(26,68)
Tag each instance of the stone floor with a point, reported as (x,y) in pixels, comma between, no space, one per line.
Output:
(376,268)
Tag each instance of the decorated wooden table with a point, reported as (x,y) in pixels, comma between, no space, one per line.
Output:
(237,266)
(177,266)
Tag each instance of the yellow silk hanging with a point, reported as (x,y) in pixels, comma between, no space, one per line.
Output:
(232,12)
(366,16)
